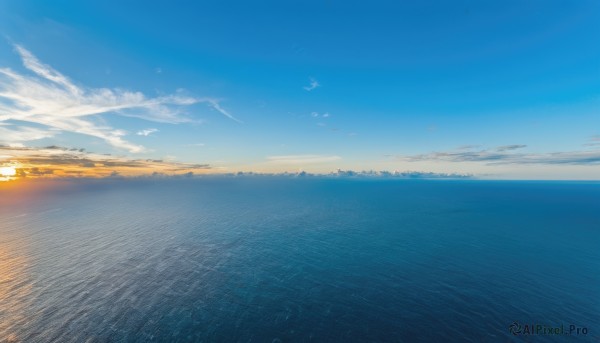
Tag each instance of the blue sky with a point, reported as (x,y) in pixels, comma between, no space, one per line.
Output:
(502,89)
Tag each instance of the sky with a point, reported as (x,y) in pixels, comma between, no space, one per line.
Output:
(497,89)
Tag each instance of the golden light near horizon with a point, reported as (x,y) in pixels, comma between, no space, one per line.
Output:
(8,171)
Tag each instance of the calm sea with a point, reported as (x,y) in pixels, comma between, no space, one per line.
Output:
(296,260)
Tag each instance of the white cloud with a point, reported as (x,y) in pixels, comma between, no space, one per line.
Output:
(317,115)
(302,159)
(313,84)
(146,132)
(53,100)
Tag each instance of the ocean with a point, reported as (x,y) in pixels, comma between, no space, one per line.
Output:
(276,259)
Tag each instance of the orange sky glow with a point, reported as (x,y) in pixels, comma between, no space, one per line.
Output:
(19,163)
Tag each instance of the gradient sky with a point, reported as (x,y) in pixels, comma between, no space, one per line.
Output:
(500,89)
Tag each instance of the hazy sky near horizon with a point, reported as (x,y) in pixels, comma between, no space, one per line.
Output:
(503,89)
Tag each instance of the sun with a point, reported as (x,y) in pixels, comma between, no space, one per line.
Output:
(8,171)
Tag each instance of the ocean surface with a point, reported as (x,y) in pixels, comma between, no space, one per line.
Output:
(265,259)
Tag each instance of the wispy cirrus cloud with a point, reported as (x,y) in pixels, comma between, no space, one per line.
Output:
(215,104)
(507,155)
(22,134)
(50,99)
(302,159)
(313,85)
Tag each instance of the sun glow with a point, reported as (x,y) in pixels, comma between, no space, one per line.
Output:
(7,172)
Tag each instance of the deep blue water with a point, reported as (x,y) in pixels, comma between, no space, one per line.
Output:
(298,260)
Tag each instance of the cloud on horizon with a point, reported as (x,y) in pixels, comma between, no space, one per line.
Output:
(593,141)
(506,155)
(51,100)
(55,161)
(510,147)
